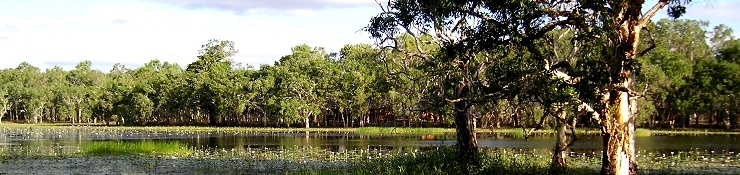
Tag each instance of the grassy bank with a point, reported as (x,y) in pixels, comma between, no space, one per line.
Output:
(444,161)
(405,130)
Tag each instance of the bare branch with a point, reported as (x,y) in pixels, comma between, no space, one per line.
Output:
(652,43)
(650,13)
(584,107)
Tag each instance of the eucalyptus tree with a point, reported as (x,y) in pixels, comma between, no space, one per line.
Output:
(149,92)
(359,72)
(460,79)
(84,83)
(717,82)
(4,101)
(406,87)
(12,95)
(56,81)
(297,80)
(235,97)
(166,82)
(665,70)
(31,97)
(473,35)
(208,75)
(118,85)
(719,36)
(259,92)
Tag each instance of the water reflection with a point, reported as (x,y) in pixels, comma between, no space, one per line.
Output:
(72,138)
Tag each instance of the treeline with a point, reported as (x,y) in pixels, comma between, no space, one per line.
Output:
(686,82)
(691,78)
(308,87)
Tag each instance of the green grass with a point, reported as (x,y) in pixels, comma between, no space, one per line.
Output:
(445,161)
(142,148)
(694,132)
(642,132)
(405,130)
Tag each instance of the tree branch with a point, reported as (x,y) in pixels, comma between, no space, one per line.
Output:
(652,43)
(587,108)
(650,13)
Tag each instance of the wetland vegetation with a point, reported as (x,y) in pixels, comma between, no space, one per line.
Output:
(517,87)
(171,148)
(208,150)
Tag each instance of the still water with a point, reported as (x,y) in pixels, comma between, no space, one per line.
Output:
(349,141)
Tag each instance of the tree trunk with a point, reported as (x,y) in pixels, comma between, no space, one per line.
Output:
(696,120)
(2,113)
(558,158)
(79,114)
(467,144)
(618,116)
(344,119)
(306,122)
(264,119)
(308,125)
(619,136)
(211,119)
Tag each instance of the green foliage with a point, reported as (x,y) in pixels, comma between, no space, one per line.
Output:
(445,161)
(676,75)
(143,148)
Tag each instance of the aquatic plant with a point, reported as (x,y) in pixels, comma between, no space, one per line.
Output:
(134,148)
(402,130)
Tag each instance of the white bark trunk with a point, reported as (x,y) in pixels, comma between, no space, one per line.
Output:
(559,157)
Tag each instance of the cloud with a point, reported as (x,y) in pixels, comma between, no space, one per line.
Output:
(240,6)
(723,10)
(9,28)
(121,21)
(135,32)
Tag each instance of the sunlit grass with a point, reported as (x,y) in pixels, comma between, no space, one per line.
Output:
(404,130)
(641,132)
(134,148)
(445,161)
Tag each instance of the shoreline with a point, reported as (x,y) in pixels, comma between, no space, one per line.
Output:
(364,130)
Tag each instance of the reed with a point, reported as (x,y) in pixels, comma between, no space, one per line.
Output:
(142,148)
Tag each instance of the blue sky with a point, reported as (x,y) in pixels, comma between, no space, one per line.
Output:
(64,32)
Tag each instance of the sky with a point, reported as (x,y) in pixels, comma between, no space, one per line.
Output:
(132,32)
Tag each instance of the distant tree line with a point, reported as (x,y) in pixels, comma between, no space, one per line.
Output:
(688,80)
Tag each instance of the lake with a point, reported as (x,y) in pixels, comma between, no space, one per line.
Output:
(72,138)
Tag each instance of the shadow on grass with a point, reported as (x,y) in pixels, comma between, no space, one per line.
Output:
(445,161)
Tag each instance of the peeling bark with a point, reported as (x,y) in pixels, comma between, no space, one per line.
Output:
(618,133)
(561,145)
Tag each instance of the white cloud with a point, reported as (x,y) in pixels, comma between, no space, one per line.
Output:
(242,5)
(135,33)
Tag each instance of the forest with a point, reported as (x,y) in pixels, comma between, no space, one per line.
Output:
(688,80)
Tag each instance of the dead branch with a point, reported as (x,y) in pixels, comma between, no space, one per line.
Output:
(652,44)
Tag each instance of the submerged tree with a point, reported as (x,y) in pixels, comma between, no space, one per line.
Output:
(473,35)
